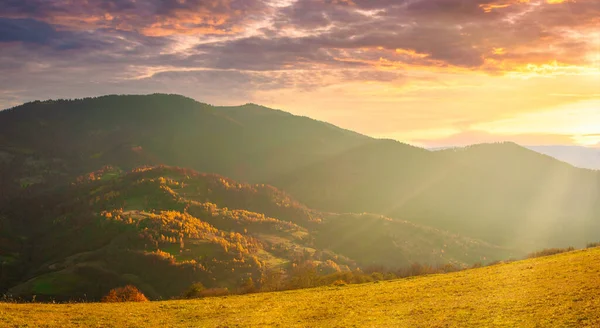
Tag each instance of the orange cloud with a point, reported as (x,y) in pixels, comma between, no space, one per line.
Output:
(488,8)
(156,18)
(411,53)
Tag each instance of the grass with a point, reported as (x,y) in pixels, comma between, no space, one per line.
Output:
(193,250)
(556,291)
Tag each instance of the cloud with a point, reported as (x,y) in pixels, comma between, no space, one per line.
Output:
(34,32)
(151,17)
(460,33)
(26,30)
(319,34)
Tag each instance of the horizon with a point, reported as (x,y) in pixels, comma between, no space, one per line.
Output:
(425,72)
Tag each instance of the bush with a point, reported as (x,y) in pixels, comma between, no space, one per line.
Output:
(592,245)
(128,293)
(248,287)
(194,291)
(339,283)
(549,251)
(377,276)
(198,290)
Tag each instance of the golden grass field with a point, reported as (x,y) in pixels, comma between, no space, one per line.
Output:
(555,291)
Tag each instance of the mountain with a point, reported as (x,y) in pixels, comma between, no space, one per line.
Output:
(578,156)
(554,291)
(502,193)
(44,140)
(584,157)
(163,229)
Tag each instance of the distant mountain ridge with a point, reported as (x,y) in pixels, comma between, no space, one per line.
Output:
(578,156)
(501,193)
(583,157)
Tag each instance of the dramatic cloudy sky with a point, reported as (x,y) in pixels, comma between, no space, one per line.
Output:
(429,72)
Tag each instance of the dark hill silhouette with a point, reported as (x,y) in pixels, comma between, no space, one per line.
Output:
(248,143)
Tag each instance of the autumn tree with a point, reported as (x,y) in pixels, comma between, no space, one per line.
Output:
(248,286)
(271,280)
(303,275)
(128,293)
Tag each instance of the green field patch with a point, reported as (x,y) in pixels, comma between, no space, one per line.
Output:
(138,215)
(299,234)
(110,176)
(55,283)
(97,190)
(135,203)
(271,260)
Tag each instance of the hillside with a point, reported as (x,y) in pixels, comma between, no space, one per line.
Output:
(555,291)
(503,194)
(163,229)
(41,141)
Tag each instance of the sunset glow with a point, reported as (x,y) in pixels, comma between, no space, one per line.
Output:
(426,72)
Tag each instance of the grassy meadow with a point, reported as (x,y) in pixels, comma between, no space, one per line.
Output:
(555,291)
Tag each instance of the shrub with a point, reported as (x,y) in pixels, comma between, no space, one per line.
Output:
(339,283)
(592,245)
(128,293)
(248,287)
(447,268)
(194,291)
(389,276)
(377,276)
(549,251)
(198,290)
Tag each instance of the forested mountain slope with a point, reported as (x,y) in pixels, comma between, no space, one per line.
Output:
(501,193)
(164,228)
(250,143)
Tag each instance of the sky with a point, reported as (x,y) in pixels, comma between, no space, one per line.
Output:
(427,72)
